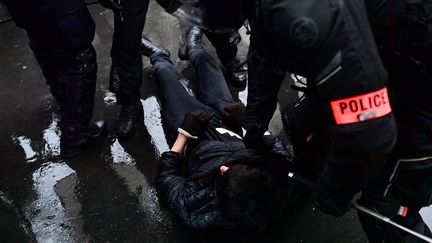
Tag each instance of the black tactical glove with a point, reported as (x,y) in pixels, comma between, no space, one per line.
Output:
(114,5)
(234,114)
(256,139)
(194,123)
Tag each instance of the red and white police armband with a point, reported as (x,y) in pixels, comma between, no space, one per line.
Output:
(361,108)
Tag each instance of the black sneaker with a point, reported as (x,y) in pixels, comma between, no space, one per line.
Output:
(129,115)
(149,49)
(193,40)
(76,137)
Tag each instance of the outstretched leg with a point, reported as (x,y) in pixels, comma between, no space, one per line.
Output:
(212,88)
(176,101)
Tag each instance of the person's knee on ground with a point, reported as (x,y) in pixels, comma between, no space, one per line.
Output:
(249,197)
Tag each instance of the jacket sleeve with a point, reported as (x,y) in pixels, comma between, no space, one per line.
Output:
(170,184)
(264,82)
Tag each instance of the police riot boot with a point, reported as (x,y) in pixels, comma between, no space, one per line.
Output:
(76,89)
(193,40)
(75,137)
(237,72)
(129,116)
(148,49)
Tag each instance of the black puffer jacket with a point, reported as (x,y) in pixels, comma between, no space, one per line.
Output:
(191,193)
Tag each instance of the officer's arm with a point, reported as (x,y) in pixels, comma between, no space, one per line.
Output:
(263,87)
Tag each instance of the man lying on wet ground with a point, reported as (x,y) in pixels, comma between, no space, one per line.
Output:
(209,179)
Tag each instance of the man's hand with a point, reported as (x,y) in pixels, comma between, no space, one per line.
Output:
(234,114)
(114,5)
(194,123)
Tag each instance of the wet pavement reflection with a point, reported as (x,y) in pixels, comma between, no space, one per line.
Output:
(107,193)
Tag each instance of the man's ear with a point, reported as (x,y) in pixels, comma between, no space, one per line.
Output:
(223,169)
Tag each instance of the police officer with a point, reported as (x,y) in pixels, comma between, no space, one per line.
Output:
(403,32)
(330,43)
(60,34)
(126,70)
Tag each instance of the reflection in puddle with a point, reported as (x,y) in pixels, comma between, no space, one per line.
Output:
(51,136)
(25,144)
(119,155)
(124,165)
(46,213)
(426,214)
(156,221)
(109,98)
(153,122)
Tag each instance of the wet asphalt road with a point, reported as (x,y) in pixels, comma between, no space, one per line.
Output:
(107,194)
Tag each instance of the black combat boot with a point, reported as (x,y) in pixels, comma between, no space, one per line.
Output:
(193,40)
(75,137)
(76,91)
(149,49)
(129,116)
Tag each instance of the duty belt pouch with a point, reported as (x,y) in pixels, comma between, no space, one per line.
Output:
(411,182)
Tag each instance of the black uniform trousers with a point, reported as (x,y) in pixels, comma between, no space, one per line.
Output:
(126,70)
(403,32)
(60,34)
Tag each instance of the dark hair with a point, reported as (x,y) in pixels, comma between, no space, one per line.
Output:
(249,197)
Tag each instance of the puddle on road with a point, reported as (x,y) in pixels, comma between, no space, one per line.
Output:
(119,154)
(46,213)
(153,123)
(25,144)
(51,136)
(124,165)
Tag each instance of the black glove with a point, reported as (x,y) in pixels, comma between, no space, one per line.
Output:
(114,5)
(330,201)
(256,139)
(194,123)
(234,114)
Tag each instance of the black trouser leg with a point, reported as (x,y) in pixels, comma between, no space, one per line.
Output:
(126,70)
(176,101)
(212,88)
(41,51)
(60,35)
